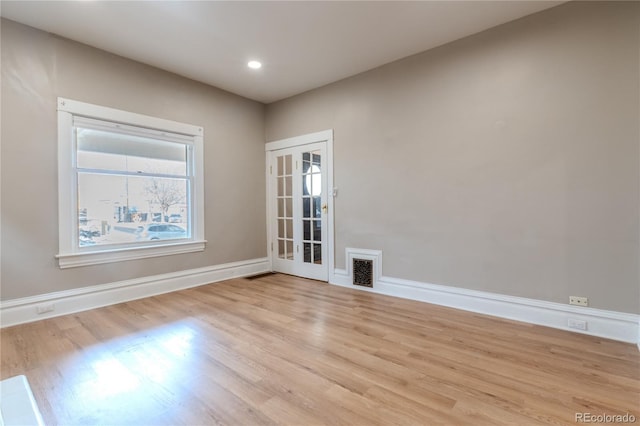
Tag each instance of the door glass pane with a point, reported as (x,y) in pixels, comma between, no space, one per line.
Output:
(306,207)
(306,230)
(307,253)
(285,206)
(290,228)
(289,245)
(288,207)
(317,254)
(312,207)
(312,181)
(280,187)
(288,164)
(288,190)
(280,207)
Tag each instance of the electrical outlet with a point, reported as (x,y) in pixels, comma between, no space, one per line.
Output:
(41,309)
(578,301)
(577,324)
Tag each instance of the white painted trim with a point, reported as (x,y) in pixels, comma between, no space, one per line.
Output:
(66,182)
(74,260)
(105,113)
(373,255)
(325,135)
(331,258)
(197,213)
(24,310)
(269,216)
(602,323)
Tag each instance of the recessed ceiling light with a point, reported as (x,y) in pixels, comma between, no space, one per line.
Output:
(254,64)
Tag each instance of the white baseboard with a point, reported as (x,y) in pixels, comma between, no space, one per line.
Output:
(23,310)
(608,324)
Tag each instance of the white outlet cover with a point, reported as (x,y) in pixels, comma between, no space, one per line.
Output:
(578,300)
(577,324)
(41,309)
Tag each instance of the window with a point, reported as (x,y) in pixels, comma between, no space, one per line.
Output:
(130,186)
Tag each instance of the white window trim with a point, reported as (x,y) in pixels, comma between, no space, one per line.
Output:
(69,255)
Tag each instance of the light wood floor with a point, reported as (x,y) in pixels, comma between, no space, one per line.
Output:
(284,350)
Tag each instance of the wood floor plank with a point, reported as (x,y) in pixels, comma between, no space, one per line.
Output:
(288,351)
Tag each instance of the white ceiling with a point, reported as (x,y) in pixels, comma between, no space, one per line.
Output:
(302,45)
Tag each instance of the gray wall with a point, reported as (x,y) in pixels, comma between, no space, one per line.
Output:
(507,161)
(37,68)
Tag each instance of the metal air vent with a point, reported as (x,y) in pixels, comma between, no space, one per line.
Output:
(363,272)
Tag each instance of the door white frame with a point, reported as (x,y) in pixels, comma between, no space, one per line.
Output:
(325,137)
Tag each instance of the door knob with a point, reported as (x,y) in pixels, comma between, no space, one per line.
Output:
(324,207)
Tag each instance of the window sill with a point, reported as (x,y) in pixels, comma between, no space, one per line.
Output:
(74,260)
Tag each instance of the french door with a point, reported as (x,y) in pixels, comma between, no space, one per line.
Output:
(298,207)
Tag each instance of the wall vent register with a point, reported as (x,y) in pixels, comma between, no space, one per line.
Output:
(363,272)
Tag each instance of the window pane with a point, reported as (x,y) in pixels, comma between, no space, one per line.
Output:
(99,149)
(125,209)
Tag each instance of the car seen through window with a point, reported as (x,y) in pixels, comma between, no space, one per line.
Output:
(154,231)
